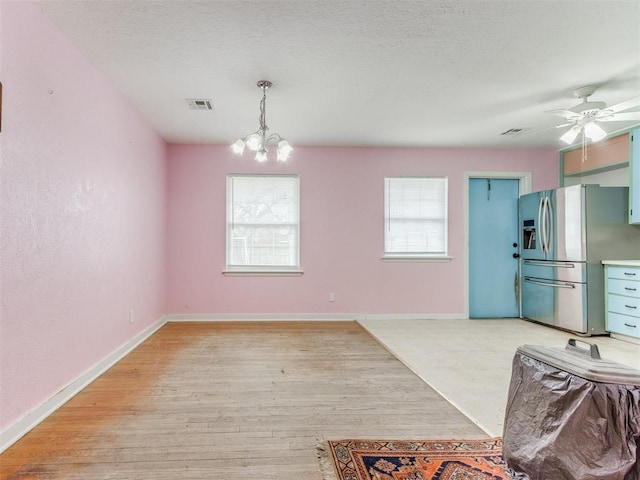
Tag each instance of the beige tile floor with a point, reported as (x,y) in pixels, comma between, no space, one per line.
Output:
(469,361)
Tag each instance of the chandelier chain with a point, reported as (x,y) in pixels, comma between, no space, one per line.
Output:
(263,114)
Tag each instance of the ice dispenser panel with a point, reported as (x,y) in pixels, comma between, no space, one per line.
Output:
(528,235)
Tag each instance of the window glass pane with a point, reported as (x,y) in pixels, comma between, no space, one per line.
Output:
(262,221)
(416,216)
(266,246)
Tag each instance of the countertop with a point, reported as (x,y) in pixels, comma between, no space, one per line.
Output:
(631,263)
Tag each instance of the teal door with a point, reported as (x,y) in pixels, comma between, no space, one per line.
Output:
(493,237)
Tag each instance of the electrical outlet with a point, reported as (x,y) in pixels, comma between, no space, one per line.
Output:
(131,316)
(332,297)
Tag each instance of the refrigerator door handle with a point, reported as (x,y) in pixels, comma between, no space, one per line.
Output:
(545,223)
(548,228)
(547,263)
(549,284)
(540,225)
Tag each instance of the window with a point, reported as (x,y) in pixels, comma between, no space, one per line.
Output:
(263,223)
(415,220)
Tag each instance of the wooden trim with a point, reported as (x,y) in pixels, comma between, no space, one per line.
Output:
(605,154)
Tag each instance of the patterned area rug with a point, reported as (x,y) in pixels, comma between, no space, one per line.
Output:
(413,460)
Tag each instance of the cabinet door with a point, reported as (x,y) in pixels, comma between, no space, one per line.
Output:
(634,180)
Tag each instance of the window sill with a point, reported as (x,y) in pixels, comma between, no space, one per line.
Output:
(417,258)
(262,273)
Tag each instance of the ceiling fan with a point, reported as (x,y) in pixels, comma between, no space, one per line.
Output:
(586,116)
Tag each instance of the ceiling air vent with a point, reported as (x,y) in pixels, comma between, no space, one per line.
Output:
(514,131)
(199,103)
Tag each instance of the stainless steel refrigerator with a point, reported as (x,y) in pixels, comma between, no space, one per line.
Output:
(564,235)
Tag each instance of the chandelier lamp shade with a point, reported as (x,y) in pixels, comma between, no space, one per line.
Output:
(260,139)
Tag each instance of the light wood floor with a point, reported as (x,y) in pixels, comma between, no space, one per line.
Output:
(234,401)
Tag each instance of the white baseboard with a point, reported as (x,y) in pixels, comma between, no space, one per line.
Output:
(249,317)
(18,429)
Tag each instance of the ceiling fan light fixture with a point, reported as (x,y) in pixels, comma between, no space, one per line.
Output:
(586,117)
(594,132)
(570,135)
(259,140)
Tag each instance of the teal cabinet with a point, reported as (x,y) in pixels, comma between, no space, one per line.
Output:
(622,299)
(634,178)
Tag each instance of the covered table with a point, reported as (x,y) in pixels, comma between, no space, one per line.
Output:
(571,416)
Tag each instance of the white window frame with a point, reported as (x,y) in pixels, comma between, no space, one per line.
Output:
(259,270)
(423,255)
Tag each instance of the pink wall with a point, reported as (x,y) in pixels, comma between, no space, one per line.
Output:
(91,196)
(341,230)
(83,210)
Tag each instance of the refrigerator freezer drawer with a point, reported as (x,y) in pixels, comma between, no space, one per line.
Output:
(556,303)
(562,271)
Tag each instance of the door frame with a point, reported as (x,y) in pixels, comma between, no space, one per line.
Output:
(524,186)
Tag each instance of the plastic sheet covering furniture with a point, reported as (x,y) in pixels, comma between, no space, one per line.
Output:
(571,416)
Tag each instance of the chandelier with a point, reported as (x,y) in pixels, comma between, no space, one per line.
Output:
(258,140)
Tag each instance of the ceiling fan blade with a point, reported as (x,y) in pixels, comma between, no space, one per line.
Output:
(568,114)
(544,129)
(621,117)
(626,105)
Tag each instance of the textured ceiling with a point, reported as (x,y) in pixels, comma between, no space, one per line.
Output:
(360,72)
